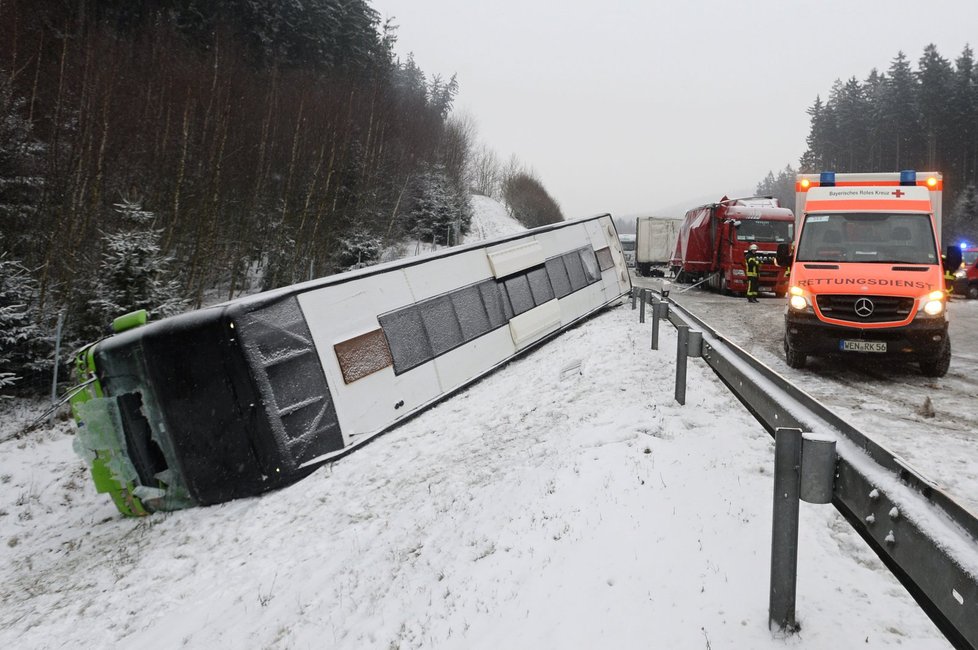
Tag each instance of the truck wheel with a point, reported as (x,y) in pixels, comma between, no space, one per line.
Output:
(793,357)
(937,367)
(973,291)
(724,289)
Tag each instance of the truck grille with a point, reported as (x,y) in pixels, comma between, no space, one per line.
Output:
(865,309)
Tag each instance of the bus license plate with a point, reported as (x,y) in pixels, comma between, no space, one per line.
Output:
(862,346)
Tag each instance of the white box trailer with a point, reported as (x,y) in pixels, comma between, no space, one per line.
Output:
(655,241)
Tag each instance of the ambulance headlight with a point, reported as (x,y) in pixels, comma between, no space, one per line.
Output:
(933,303)
(798,300)
(738,272)
(933,307)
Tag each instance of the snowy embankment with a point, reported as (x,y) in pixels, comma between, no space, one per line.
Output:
(565,501)
(490,220)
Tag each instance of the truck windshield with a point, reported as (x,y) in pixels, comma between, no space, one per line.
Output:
(969,257)
(759,230)
(628,245)
(867,237)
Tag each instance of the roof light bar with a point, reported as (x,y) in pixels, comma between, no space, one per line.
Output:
(827,179)
(908,177)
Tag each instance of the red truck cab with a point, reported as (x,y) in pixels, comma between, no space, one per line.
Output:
(714,238)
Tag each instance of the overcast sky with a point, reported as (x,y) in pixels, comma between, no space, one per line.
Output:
(634,107)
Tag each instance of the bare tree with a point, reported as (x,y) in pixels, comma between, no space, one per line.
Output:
(485,172)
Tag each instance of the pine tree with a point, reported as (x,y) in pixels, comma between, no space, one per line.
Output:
(816,156)
(962,221)
(359,248)
(852,116)
(781,187)
(134,273)
(433,209)
(935,77)
(900,116)
(20,182)
(19,335)
(873,93)
(962,119)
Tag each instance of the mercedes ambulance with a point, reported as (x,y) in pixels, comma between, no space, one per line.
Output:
(867,276)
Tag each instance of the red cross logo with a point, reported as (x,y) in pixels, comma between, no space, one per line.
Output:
(898,193)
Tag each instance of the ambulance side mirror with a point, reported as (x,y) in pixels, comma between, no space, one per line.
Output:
(953,258)
(784,255)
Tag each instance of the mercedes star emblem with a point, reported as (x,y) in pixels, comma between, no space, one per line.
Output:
(864,307)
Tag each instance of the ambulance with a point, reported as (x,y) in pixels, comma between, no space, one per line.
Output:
(867,274)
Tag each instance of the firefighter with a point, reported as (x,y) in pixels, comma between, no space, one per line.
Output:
(948,277)
(753,267)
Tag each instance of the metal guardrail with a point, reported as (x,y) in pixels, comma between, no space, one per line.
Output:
(926,539)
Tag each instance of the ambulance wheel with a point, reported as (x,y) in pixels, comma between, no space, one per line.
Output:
(793,357)
(973,291)
(937,367)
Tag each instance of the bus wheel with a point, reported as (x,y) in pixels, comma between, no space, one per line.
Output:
(793,357)
(937,367)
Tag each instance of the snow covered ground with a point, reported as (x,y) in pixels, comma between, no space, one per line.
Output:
(565,501)
(490,220)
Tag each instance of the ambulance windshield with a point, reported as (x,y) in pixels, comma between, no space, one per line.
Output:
(769,231)
(870,237)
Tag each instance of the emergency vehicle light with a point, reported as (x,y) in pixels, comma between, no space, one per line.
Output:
(908,177)
(827,179)
(805,183)
(931,182)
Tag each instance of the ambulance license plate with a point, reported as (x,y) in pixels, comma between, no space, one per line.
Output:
(862,346)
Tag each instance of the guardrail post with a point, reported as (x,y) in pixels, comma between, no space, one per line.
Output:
(634,293)
(818,460)
(784,537)
(694,345)
(682,342)
(659,310)
(641,310)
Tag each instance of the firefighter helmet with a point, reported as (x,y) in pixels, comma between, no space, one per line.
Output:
(753,247)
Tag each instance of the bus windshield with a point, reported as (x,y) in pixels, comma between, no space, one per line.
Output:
(760,230)
(868,237)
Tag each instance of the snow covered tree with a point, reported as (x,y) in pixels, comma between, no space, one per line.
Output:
(134,273)
(781,187)
(962,221)
(935,76)
(359,248)
(900,114)
(20,182)
(19,334)
(432,211)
